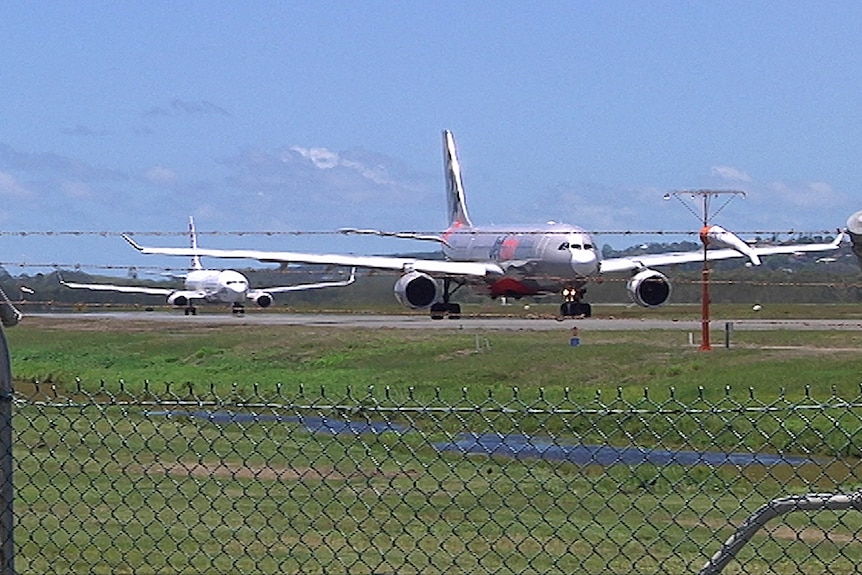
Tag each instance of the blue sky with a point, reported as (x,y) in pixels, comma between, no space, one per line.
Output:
(318,115)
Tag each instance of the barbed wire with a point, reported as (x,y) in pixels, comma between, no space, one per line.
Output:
(407,233)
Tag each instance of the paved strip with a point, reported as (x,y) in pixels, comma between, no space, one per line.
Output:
(466,323)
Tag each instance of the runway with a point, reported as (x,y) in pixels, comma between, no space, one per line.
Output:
(423,322)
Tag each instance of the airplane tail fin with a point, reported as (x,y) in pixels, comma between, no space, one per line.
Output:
(454,187)
(193,238)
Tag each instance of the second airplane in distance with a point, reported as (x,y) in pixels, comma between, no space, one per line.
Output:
(211,286)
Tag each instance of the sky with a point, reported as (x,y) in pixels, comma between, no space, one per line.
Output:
(305,117)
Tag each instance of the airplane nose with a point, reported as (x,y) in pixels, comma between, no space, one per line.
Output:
(584,262)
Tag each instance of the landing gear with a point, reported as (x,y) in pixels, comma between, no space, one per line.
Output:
(443,309)
(572,305)
(575,309)
(190,310)
(238,309)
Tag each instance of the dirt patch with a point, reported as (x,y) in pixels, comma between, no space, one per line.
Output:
(780,531)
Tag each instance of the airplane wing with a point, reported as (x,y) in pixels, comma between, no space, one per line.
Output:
(303,287)
(675,258)
(476,269)
(119,288)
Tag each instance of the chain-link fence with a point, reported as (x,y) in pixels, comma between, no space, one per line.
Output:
(179,480)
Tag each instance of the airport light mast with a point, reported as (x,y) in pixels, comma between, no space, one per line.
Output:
(703,197)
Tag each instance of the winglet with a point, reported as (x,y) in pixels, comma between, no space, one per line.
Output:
(719,235)
(132,242)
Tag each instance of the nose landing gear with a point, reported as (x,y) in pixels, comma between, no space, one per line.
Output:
(572,305)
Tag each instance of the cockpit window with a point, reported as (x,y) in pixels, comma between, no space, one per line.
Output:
(567,245)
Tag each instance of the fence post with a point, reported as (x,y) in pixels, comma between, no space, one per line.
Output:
(9,316)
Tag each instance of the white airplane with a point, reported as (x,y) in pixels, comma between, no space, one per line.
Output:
(212,286)
(513,261)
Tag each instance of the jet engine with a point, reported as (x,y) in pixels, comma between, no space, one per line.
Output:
(260,298)
(416,290)
(649,288)
(178,299)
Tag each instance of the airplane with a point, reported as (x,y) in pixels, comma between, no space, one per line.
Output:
(513,261)
(212,286)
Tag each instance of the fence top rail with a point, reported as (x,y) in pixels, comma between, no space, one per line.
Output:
(60,401)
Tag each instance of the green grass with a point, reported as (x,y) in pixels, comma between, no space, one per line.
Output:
(102,487)
(121,492)
(415,363)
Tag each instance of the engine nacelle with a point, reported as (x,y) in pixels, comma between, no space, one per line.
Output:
(178,299)
(649,288)
(416,290)
(261,298)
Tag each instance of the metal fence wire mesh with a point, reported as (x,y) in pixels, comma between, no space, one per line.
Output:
(182,481)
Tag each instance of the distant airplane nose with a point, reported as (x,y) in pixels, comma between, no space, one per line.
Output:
(233,286)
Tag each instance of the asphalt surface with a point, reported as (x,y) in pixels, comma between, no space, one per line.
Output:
(467,323)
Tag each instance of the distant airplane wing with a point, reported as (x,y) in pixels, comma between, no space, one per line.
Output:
(675,258)
(303,287)
(476,269)
(118,288)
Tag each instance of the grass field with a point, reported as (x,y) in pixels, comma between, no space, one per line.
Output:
(102,352)
(108,489)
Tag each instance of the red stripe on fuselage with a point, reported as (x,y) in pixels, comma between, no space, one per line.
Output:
(507,249)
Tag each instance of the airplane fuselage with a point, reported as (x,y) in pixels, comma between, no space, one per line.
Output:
(218,286)
(535,260)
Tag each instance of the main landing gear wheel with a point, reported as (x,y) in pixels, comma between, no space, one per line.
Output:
(441,310)
(190,310)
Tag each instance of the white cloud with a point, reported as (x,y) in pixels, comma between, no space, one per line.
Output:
(320,157)
(161,175)
(803,194)
(731,174)
(77,190)
(10,186)
(327,160)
